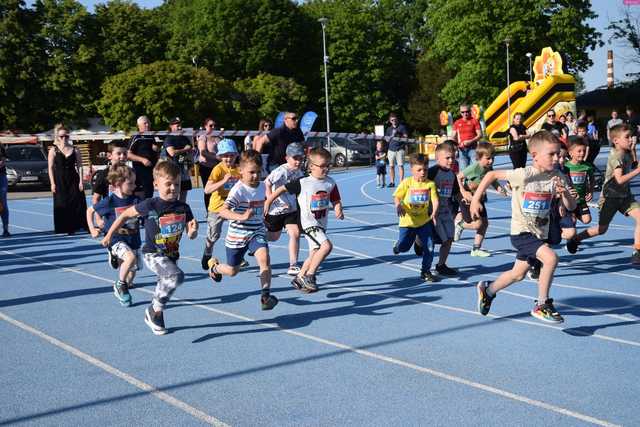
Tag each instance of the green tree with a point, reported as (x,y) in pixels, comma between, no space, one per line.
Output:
(162,90)
(371,65)
(127,36)
(21,105)
(71,83)
(425,102)
(472,45)
(266,95)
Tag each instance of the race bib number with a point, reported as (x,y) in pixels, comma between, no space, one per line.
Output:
(445,189)
(258,208)
(537,204)
(578,178)
(419,196)
(172,225)
(229,184)
(319,201)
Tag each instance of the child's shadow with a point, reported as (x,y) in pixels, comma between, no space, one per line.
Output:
(604,305)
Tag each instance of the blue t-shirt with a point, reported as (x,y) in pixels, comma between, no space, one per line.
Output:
(109,209)
(165,221)
(396,132)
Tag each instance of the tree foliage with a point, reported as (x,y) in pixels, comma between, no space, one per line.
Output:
(468,36)
(425,102)
(162,90)
(627,31)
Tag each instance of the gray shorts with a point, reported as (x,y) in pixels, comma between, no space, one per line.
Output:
(395,157)
(120,249)
(315,236)
(214,226)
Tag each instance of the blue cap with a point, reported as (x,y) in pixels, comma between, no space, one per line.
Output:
(294,149)
(227,146)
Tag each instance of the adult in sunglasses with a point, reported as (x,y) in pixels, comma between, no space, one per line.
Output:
(554,126)
(467,132)
(274,144)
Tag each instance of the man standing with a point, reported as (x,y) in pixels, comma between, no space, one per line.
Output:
(179,150)
(396,148)
(614,121)
(467,132)
(274,144)
(4,188)
(144,152)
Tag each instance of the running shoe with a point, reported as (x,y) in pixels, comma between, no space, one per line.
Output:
(267,302)
(391,184)
(428,277)
(458,232)
(417,248)
(121,291)
(293,270)
(113,259)
(635,258)
(446,271)
(244,263)
(215,276)
(155,321)
(6,233)
(484,300)
(297,283)
(572,246)
(395,248)
(480,253)
(204,261)
(546,312)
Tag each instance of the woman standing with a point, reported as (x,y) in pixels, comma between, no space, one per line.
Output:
(207,149)
(4,188)
(518,141)
(65,174)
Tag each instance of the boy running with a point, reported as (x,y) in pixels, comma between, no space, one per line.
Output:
(125,244)
(534,188)
(166,218)
(581,175)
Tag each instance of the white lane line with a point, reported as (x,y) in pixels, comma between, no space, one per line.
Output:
(373,355)
(167,398)
(12,209)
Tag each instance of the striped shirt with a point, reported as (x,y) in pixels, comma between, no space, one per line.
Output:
(240,198)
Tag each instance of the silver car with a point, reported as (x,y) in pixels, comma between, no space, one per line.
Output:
(343,150)
(26,164)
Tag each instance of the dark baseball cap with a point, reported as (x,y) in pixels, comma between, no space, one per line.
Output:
(175,120)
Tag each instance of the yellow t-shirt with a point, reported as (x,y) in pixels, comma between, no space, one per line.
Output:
(220,195)
(415,197)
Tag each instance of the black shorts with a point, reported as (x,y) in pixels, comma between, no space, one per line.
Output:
(381,168)
(466,212)
(582,209)
(527,245)
(275,223)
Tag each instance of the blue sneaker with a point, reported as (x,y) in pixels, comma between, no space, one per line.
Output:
(484,300)
(121,291)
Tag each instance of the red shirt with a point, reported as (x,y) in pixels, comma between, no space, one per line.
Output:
(466,129)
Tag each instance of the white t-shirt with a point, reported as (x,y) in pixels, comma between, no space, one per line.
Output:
(315,197)
(280,176)
(240,198)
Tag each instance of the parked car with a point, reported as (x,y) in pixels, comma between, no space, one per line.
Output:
(343,150)
(26,164)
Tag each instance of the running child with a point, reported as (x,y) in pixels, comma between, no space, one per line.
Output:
(166,218)
(381,164)
(315,193)
(416,201)
(533,189)
(581,174)
(468,181)
(616,192)
(221,180)
(244,208)
(100,181)
(283,212)
(125,244)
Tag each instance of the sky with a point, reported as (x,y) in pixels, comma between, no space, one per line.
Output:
(594,77)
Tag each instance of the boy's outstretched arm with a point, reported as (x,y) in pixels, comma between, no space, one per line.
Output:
(93,230)
(122,218)
(623,179)
(271,197)
(192,229)
(488,179)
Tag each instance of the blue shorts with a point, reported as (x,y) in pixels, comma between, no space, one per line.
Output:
(527,245)
(235,255)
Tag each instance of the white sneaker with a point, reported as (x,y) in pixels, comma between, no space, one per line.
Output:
(293,270)
(480,253)
(458,233)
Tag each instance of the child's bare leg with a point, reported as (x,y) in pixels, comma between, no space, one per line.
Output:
(227,270)
(585,219)
(262,257)
(480,232)
(549,260)
(318,257)
(445,248)
(127,264)
(294,243)
(475,225)
(592,232)
(509,277)
(568,233)
(131,275)
(635,214)
(307,262)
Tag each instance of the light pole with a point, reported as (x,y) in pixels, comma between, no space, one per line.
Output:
(529,55)
(507,41)
(325,59)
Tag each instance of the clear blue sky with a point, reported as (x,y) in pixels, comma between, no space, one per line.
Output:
(594,77)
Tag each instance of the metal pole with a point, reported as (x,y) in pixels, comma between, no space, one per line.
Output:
(325,60)
(529,55)
(506,41)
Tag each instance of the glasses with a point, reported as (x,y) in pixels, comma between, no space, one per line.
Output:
(551,115)
(323,166)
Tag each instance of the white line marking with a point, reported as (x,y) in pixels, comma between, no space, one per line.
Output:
(377,356)
(167,398)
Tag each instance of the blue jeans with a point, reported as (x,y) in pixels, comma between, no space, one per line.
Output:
(4,188)
(408,236)
(466,157)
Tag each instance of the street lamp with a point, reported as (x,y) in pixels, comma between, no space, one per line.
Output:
(325,59)
(529,55)
(506,42)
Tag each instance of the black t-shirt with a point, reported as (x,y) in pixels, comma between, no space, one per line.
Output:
(99,183)
(178,142)
(165,221)
(634,122)
(144,146)
(555,128)
(3,156)
(521,130)
(279,138)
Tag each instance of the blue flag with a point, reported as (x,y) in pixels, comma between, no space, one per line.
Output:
(279,120)
(307,121)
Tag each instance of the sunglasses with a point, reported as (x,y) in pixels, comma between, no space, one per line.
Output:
(551,115)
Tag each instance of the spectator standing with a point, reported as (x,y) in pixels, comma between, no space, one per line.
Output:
(396,149)
(571,122)
(518,140)
(555,127)
(274,144)
(264,125)
(614,121)
(207,154)
(144,151)
(179,150)
(4,188)
(467,133)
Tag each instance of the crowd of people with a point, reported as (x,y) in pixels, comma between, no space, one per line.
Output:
(262,191)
